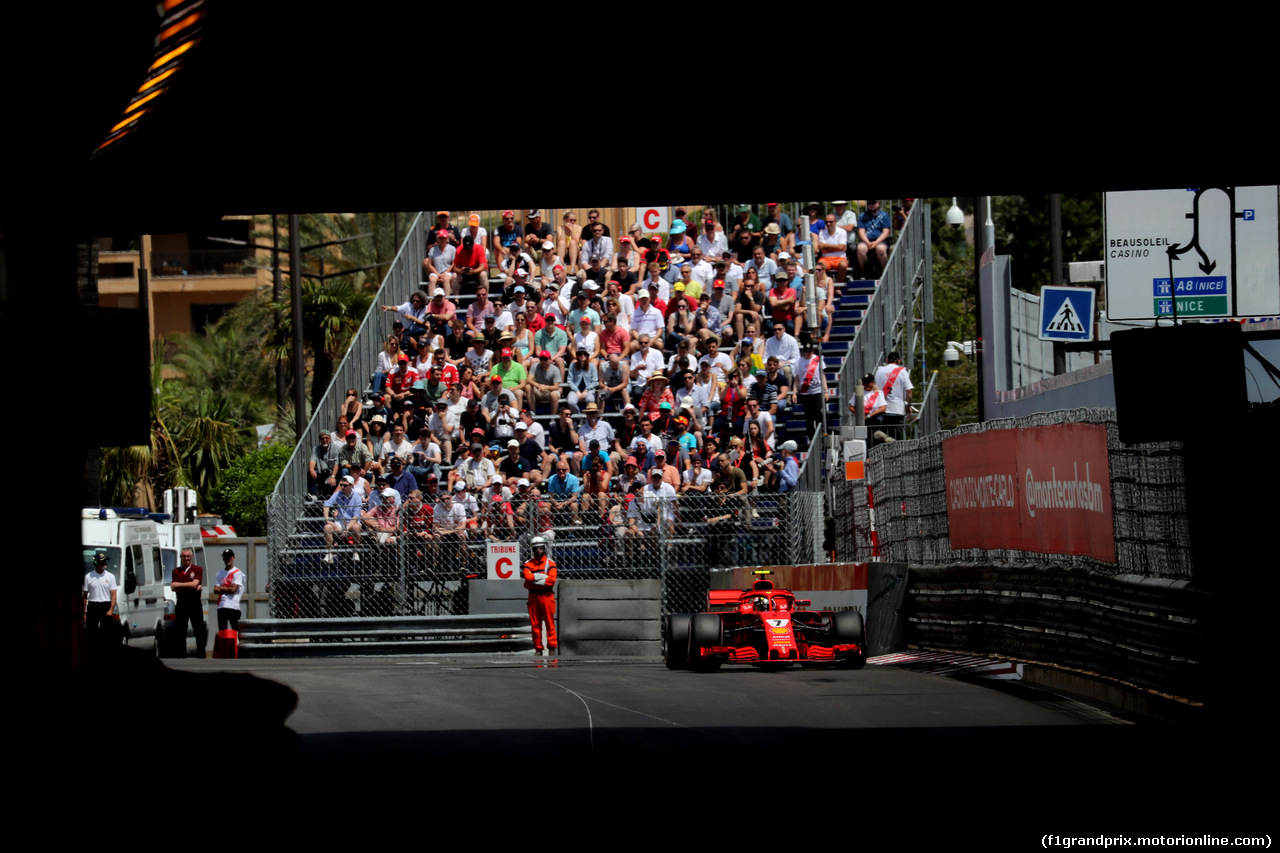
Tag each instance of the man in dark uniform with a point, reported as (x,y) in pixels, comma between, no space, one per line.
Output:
(187,583)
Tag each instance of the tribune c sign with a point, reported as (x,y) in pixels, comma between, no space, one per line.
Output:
(653,219)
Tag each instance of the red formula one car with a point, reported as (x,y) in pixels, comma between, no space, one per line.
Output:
(762,626)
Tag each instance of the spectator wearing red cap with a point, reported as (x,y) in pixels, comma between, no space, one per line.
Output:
(555,294)
(513,375)
(508,234)
(544,381)
(438,264)
(553,339)
(626,252)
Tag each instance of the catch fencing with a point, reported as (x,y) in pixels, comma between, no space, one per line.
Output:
(899,512)
(416,568)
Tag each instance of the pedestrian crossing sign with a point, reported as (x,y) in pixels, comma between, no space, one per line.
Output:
(1066,313)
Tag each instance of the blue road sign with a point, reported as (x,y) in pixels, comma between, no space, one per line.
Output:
(1066,313)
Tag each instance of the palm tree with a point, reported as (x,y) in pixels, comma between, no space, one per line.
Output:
(334,306)
(331,315)
(208,439)
(231,359)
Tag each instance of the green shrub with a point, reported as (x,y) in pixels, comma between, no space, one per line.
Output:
(241,494)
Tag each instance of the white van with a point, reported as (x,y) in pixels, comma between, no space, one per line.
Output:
(178,529)
(130,540)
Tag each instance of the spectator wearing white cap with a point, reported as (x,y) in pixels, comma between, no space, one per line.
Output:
(646,320)
(513,466)
(549,260)
(789,476)
(345,505)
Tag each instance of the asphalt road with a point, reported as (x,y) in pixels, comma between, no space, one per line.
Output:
(374,710)
(371,748)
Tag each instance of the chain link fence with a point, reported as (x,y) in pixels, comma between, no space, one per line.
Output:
(899,513)
(406,563)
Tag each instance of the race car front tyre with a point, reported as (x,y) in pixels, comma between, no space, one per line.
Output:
(675,641)
(848,628)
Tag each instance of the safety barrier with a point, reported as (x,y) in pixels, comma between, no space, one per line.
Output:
(385,636)
(899,512)
(419,569)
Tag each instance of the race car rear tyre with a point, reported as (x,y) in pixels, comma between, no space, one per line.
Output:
(675,641)
(848,628)
(705,630)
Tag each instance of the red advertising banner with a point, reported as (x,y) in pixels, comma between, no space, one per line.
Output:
(1045,489)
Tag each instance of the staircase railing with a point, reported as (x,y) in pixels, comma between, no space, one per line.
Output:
(358,364)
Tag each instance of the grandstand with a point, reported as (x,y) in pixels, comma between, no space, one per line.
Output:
(610,531)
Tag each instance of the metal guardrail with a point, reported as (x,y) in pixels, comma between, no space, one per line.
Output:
(385,635)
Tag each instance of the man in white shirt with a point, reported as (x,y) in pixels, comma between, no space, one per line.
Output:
(229,585)
(647,320)
(786,349)
(397,445)
(100,591)
(713,243)
(700,268)
(833,244)
(655,505)
(894,381)
(847,221)
(644,361)
(721,364)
